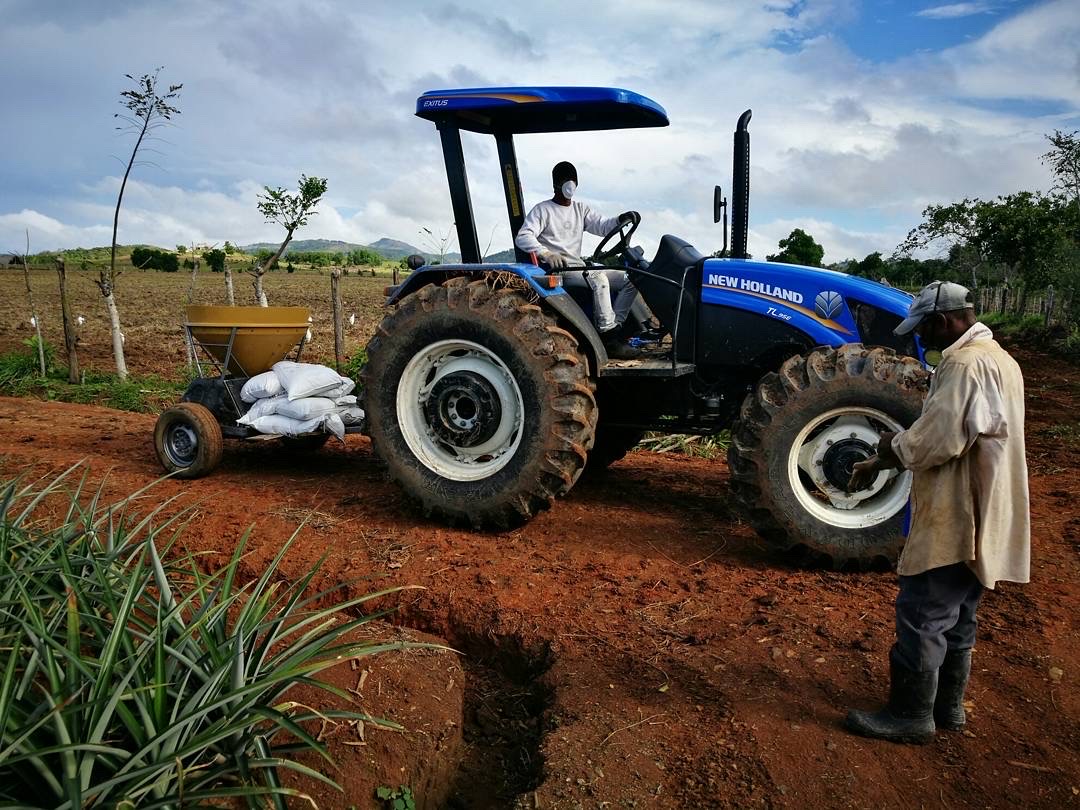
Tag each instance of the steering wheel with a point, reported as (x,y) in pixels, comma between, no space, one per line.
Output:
(624,231)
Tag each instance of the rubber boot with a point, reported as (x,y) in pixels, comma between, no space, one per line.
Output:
(952,680)
(908,716)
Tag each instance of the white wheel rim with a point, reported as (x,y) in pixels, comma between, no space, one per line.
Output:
(448,360)
(811,455)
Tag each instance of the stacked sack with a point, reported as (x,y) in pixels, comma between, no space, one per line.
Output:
(295,398)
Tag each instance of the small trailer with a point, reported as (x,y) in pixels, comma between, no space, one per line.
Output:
(229,345)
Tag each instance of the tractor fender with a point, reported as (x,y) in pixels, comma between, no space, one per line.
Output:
(566,308)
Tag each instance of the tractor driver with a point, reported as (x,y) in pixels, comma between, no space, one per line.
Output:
(553,230)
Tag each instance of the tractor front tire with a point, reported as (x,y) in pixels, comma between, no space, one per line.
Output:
(798,435)
(480,405)
(188,440)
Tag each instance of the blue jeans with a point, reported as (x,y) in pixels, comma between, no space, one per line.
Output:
(935,612)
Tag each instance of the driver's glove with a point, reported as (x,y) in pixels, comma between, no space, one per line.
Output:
(627,217)
(556,261)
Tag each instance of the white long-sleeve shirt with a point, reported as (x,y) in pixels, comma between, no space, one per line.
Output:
(550,227)
(969,494)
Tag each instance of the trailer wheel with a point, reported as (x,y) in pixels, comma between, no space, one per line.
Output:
(478,403)
(188,440)
(797,437)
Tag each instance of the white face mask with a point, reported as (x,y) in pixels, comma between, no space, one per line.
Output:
(568,189)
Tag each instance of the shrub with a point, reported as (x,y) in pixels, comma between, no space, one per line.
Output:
(132,680)
(145,258)
(215,260)
(355,364)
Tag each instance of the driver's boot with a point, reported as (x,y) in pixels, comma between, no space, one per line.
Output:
(908,716)
(617,348)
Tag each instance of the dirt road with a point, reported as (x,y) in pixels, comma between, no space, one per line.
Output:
(637,646)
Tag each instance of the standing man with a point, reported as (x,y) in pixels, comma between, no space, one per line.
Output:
(969,500)
(553,230)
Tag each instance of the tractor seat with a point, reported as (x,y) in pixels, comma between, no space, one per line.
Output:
(673,257)
(661,283)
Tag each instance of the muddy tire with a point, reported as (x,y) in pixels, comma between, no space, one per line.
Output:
(188,440)
(797,436)
(611,445)
(480,405)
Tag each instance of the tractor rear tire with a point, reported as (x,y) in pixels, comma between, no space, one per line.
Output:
(188,440)
(480,405)
(795,440)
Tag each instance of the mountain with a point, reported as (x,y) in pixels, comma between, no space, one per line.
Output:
(386,247)
(304,246)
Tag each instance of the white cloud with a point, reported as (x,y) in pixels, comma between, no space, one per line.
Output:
(850,147)
(952,11)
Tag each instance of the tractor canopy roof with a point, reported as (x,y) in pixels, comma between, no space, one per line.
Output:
(513,110)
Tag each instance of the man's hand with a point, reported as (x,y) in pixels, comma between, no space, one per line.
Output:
(889,459)
(556,261)
(863,473)
(627,217)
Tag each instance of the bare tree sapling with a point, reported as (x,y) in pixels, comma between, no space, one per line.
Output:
(148,108)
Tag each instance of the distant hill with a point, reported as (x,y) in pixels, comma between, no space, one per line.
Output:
(385,247)
(304,246)
(502,257)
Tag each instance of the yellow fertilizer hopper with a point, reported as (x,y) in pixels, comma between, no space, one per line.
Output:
(245,341)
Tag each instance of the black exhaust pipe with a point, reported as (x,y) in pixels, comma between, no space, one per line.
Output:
(740,188)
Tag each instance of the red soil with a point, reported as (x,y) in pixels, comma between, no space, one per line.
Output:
(638,645)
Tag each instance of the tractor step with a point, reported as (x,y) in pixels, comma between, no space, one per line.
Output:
(646,367)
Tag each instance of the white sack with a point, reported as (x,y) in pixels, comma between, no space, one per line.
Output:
(332,424)
(263,407)
(262,385)
(306,408)
(308,379)
(351,416)
(285,426)
(342,391)
(348,399)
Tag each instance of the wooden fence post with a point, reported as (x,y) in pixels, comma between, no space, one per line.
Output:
(1004,300)
(1048,305)
(71,334)
(339,326)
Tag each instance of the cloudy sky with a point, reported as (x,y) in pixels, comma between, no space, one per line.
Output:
(864,112)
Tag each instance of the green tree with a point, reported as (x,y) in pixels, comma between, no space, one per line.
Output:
(872,267)
(147,109)
(290,211)
(215,260)
(230,248)
(799,248)
(1064,161)
(181,249)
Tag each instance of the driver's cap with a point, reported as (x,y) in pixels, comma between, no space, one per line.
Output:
(937,296)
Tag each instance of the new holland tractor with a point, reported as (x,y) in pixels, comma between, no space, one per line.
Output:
(488,390)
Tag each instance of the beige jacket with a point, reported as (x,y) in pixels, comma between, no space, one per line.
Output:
(970,491)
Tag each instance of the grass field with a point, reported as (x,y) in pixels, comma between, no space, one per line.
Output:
(151,308)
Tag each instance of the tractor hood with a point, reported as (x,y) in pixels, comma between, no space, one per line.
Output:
(830,306)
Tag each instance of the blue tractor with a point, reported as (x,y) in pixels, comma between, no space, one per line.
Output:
(488,391)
